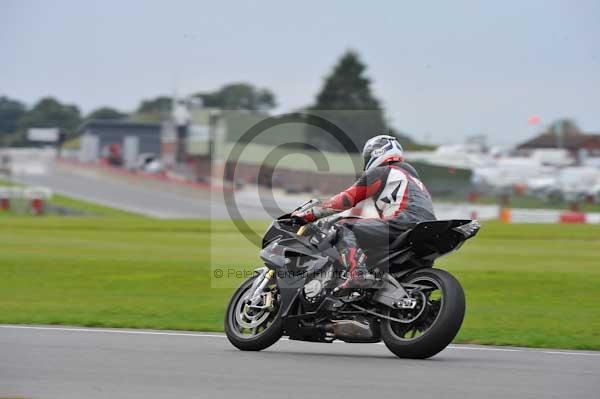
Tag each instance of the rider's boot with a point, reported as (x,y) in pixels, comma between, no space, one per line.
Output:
(354,260)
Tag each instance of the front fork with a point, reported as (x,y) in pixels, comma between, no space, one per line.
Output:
(255,296)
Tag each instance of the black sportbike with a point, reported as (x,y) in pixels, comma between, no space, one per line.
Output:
(414,308)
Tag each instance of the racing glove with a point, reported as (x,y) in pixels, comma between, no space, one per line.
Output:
(306,216)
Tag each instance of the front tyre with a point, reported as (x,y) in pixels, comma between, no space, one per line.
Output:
(253,328)
(433,323)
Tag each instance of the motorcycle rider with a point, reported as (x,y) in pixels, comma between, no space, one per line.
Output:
(401,200)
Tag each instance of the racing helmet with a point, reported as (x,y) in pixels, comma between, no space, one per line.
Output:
(379,149)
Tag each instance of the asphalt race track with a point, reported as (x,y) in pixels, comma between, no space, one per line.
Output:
(64,362)
(147,198)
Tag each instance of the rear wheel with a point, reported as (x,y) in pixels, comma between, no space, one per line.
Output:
(433,323)
(253,327)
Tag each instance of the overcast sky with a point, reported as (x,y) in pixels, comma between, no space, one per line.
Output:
(443,70)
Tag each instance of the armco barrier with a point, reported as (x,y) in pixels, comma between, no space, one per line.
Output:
(592,218)
(534,216)
(551,216)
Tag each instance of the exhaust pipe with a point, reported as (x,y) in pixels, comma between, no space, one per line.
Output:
(350,330)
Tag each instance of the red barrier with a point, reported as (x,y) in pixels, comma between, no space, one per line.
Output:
(572,217)
(4,204)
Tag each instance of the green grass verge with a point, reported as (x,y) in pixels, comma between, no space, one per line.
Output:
(528,285)
(89,208)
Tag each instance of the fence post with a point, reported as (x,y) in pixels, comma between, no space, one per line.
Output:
(4,200)
(37,199)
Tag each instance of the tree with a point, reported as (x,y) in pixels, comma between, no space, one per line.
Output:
(239,96)
(154,110)
(347,87)
(346,100)
(106,113)
(10,113)
(49,112)
(565,126)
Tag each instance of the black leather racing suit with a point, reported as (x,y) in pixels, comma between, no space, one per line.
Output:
(401,200)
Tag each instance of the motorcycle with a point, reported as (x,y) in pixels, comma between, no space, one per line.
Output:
(415,309)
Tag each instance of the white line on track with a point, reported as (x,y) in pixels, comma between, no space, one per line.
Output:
(477,348)
(215,335)
(112,331)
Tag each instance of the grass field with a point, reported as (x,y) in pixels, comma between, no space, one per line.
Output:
(530,285)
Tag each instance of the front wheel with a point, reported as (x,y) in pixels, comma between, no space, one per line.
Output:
(253,326)
(433,323)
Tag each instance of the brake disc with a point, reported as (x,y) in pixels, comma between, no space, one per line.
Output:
(248,317)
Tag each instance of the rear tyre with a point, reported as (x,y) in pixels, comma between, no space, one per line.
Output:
(434,323)
(251,329)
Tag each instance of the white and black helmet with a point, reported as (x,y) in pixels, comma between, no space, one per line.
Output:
(380,148)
